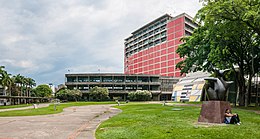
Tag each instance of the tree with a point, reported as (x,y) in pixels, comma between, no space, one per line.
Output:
(71,95)
(140,95)
(98,93)
(16,85)
(245,11)
(63,94)
(7,82)
(75,95)
(29,84)
(43,91)
(19,81)
(1,73)
(223,41)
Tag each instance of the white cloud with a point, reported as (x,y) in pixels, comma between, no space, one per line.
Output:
(43,39)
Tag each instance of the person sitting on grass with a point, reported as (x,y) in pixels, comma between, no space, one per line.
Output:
(231,118)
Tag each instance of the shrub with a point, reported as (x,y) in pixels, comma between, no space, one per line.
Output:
(71,95)
(98,93)
(140,95)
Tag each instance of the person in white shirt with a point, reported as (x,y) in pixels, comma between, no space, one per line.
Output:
(231,118)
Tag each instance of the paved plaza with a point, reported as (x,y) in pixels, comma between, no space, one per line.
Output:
(30,106)
(74,122)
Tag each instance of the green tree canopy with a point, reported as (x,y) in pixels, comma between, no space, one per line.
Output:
(140,95)
(70,95)
(17,85)
(98,93)
(223,40)
(63,94)
(43,91)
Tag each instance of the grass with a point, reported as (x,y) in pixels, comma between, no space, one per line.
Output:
(154,121)
(249,108)
(48,110)
(187,102)
(15,106)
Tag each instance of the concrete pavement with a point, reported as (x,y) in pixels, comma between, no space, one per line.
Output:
(74,122)
(30,106)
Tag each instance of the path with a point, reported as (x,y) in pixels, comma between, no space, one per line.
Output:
(74,122)
(30,106)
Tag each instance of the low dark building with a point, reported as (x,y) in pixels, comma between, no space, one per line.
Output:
(119,85)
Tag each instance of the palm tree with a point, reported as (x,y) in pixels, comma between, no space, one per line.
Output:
(29,83)
(19,81)
(1,73)
(7,82)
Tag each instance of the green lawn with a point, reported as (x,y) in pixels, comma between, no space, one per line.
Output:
(154,121)
(48,110)
(15,106)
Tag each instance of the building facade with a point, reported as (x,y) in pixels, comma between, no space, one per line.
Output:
(151,49)
(119,85)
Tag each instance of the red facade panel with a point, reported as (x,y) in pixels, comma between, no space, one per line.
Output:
(163,64)
(171,24)
(171,36)
(179,34)
(178,21)
(177,42)
(157,66)
(163,70)
(171,50)
(170,43)
(163,58)
(163,52)
(146,63)
(171,69)
(177,74)
(150,62)
(163,46)
(164,74)
(157,60)
(178,28)
(146,68)
(170,31)
(171,62)
(157,71)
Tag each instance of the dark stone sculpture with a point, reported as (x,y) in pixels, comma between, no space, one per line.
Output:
(214,97)
(216,88)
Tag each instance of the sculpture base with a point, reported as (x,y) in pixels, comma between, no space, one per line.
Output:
(213,111)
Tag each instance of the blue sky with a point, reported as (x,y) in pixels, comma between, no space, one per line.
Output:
(43,39)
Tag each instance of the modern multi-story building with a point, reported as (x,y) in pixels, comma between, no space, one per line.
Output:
(151,49)
(119,85)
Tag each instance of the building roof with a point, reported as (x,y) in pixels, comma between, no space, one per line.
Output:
(107,74)
(158,19)
(154,21)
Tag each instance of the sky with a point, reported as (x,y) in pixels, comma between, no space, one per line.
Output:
(45,39)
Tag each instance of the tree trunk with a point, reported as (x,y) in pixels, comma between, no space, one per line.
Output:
(247,95)
(242,87)
(256,98)
(242,90)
